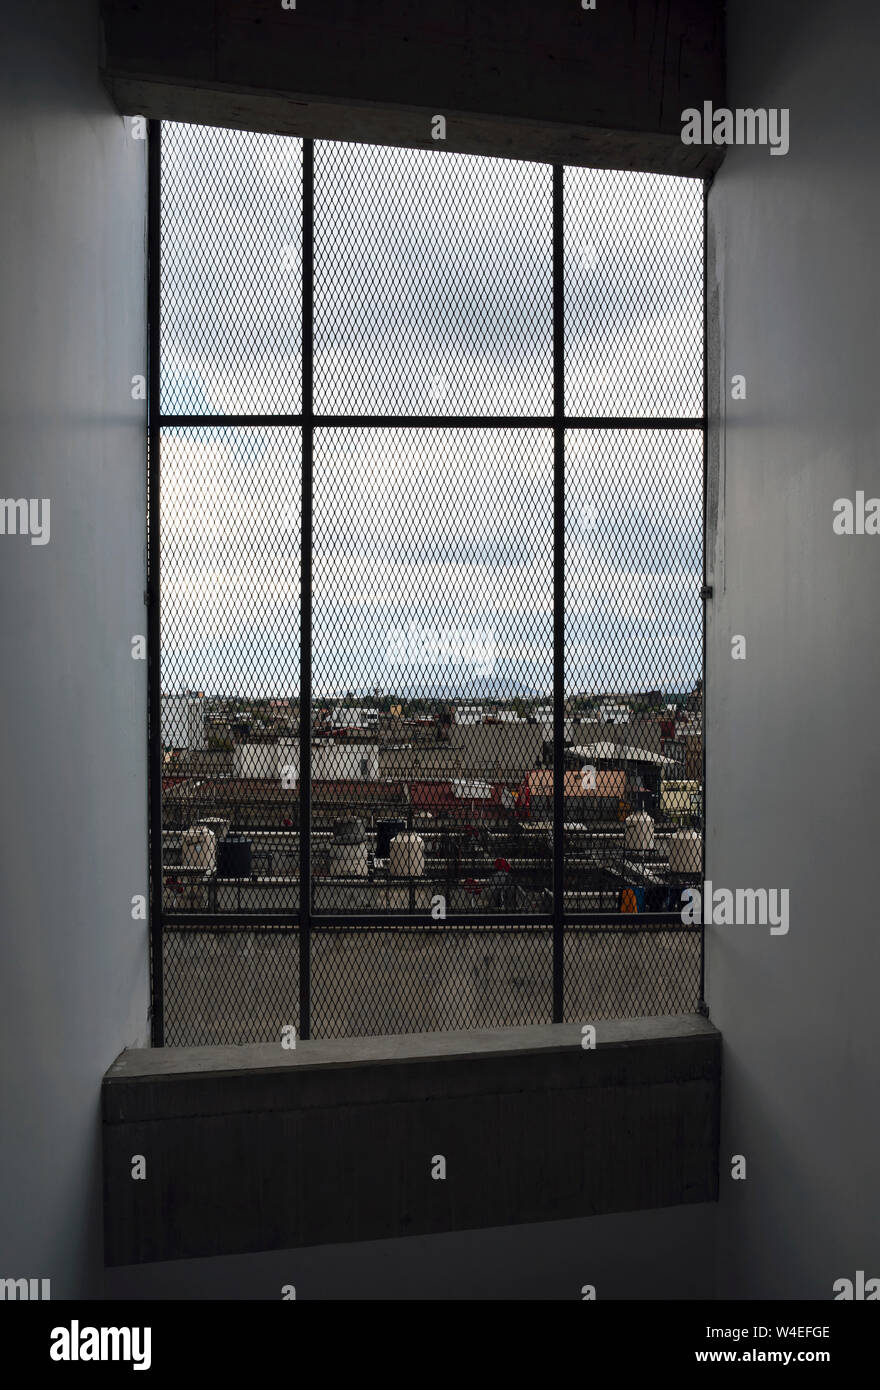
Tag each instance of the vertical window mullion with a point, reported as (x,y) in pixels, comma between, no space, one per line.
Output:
(153,594)
(305,602)
(558,592)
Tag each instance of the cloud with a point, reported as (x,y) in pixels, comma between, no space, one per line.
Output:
(433,296)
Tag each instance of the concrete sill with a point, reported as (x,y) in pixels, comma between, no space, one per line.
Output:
(256,1148)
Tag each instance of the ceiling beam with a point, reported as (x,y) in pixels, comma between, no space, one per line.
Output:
(544,80)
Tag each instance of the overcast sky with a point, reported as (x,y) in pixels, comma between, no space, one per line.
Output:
(433,296)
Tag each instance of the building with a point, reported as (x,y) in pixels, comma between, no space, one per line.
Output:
(330,761)
(583,802)
(642,768)
(183,722)
(505,750)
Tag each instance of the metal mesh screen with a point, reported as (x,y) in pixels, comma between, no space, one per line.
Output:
(230,985)
(633,294)
(427,702)
(368,980)
(615,971)
(432,597)
(231,254)
(633,667)
(433,279)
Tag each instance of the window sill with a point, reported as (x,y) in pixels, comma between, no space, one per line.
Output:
(256,1148)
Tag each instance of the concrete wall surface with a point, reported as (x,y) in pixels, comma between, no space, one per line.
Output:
(792,730)
(247,1149)
(73,726)
(548,81)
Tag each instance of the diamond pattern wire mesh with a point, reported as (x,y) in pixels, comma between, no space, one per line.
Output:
(630,972)
(370,981)
(432,606)
(236,985)
(633,294)
(633,667)
(431,592)
(231,255)
(433,276)
(231,502)
(230,985)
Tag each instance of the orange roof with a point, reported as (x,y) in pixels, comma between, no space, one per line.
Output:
(608,783)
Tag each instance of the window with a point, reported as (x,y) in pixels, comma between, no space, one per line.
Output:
(426,553)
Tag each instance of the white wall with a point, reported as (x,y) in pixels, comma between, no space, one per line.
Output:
(792,739)
(73,728)
(266,759)
(330,761)
(183,722)
(344,761)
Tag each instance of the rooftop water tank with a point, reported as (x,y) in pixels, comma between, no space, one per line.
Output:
(198,849)
(350,859)
(349,856)
(685,852)
(217,824)
(349,832)
(638,832)
(406,856)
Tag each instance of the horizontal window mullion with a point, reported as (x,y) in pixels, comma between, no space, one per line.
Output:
(571,422)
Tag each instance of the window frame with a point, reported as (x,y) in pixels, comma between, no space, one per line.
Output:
(307,420)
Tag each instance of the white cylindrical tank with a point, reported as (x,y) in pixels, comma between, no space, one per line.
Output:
(198,849)
(685,852)
(349,832)
(406,857)
(400,899)
(216,824)
(638,832)
(350,860)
